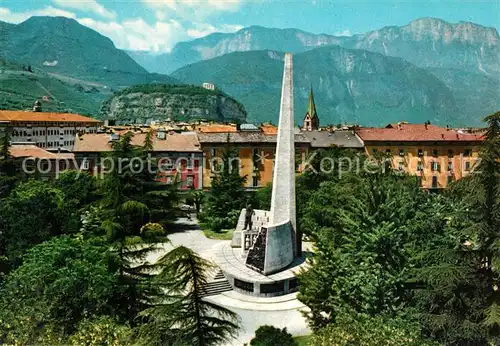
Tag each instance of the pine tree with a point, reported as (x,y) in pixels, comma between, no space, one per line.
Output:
(181,316)
(227,195)
(362,227)
(457,273)
(129,226)
(161,199)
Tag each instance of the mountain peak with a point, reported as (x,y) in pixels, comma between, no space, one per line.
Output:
(50,19)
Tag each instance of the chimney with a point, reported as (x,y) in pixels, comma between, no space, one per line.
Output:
(37,106)
(442,135)
(160,134)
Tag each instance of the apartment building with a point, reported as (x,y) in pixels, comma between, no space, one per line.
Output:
(178,155)
(437,156)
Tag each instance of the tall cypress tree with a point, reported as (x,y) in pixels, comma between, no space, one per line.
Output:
(227,195)
(128,227)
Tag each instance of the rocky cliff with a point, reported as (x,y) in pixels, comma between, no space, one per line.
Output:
(246,39)
(432,42)
(145,103)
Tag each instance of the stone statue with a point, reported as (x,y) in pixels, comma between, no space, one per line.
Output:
(248,217)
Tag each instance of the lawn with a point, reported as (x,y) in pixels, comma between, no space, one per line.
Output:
(302,340)
(225,234)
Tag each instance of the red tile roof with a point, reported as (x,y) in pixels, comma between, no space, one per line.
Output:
(269,129)
(26,116)
(415,133)
(216,128)
(21,150)
(176,142)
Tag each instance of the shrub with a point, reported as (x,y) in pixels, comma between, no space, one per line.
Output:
(369,331)
(272,336)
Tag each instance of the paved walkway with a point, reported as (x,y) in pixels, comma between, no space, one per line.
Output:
(283,311)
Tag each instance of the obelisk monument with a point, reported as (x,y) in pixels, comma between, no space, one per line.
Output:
(283,194)
(275,247)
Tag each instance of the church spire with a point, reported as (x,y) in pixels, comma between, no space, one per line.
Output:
(311,109)
(311,120)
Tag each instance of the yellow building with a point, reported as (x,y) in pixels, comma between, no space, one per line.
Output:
(436,155)
(256,149)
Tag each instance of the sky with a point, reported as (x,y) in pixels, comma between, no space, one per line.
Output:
(157,25)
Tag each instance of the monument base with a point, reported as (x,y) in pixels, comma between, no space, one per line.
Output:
(247,281)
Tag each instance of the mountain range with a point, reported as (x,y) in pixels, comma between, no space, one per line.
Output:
(425,42)
(459,60)
(350,86)
(426,70)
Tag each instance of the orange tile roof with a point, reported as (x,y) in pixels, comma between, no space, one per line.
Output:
(22,150)
(269,129)
(176,142)
(26,116)
(216,128)
(415,133)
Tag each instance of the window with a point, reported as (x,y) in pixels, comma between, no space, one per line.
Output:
(450,166)
(420,166)
(467,152)
(434,182)
(435,166)
(374,150)
(213,152)
(85,164)
(189,163)
(467,166)
(189,180)
(243,285)
(255,181)
(435,153)
(420,152)
(401,165)
(275,287)
(167,164)
(401,152)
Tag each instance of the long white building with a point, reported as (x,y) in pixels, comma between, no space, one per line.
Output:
(51,131)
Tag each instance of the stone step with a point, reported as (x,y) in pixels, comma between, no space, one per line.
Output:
(217,285)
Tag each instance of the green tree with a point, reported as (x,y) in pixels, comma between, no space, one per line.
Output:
(9,174)
(272,336)
(181,316)
(103,330)
(226,196)
(369,331)
(364,228)
(32,213)
(457,275)
(61,282)
(129,192)
(79,188)
(263,197)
